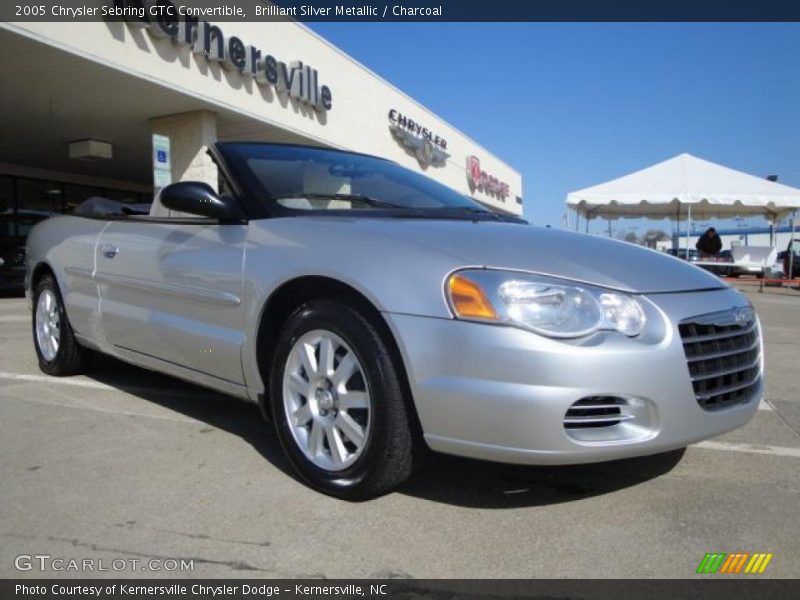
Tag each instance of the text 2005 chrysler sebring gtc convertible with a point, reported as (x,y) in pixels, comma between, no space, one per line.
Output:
(371,311)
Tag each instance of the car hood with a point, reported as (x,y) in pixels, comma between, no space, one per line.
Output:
(590,259)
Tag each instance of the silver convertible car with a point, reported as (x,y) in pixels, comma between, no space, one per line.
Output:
(373,313)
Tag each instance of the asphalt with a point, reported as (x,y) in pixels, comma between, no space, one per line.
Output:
(126,464)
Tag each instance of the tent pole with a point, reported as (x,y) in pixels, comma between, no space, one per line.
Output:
(791,248)
(688,229)
(577,219)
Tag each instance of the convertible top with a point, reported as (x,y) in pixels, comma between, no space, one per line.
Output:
(99,206)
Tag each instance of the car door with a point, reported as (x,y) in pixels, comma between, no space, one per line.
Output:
(171,290)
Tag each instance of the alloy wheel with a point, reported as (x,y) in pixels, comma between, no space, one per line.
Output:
(48,325)
(326,400)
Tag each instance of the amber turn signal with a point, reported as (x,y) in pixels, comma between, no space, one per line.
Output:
(469,300)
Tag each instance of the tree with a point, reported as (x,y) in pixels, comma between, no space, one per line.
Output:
(631,237)
(654,235)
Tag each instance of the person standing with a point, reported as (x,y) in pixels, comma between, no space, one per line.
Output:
(709,243)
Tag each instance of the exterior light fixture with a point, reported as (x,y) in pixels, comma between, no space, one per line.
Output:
(90,150)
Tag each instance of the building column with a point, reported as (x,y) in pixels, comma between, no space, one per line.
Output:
(190,134)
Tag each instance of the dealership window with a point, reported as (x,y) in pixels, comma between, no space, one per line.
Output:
(124,196)
(6,194)
(24,223)
(75,194)
(40,196)
(29,199)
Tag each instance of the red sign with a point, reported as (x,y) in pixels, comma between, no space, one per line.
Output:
(481,180)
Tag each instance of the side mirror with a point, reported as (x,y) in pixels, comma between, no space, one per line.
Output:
(200,199)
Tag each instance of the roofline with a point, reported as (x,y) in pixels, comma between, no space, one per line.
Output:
(293,145)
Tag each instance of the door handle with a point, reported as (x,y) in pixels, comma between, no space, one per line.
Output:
(110,251)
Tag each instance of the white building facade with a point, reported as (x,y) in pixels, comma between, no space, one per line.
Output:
(82,100)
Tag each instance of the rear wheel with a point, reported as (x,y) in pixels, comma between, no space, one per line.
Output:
(338,403)
(56,347)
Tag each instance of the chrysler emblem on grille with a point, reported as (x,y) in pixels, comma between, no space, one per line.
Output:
(743,317)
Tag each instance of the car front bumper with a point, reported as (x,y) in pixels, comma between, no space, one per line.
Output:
(500,393)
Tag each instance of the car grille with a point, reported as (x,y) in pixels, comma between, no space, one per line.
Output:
(723,351)
(596,411)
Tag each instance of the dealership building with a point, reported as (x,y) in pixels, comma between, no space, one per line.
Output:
(84,103)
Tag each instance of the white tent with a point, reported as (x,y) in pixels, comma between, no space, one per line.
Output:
(669,188)
(685,187)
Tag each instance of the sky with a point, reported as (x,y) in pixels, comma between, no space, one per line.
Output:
(576,104)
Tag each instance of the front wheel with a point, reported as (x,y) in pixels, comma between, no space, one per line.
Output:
(338,403)
(56,347)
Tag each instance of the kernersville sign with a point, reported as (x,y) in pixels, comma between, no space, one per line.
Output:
(162,20)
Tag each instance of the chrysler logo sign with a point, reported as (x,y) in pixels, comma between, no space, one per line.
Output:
(428,147)
(295,79)
(481,180)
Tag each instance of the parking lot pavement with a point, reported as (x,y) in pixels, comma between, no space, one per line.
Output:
(125,464)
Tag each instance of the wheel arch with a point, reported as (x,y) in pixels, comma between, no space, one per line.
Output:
(283,302)
(37,273)
(41,269)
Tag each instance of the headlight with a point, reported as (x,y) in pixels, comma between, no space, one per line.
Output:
(546,305)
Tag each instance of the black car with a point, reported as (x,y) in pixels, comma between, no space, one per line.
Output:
(14,228)
(793,247)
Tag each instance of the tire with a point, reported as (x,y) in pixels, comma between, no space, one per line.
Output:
(66,356)
(390,448)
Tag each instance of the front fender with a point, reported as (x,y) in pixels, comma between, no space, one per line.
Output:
(395,275)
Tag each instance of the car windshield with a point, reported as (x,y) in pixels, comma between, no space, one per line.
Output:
(298,179)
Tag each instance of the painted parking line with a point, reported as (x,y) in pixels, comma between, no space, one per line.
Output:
(60,380)
(782,451)
(84,383)
(111,411)
(102,386)
(14,319)
(707,445)
(749,448)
